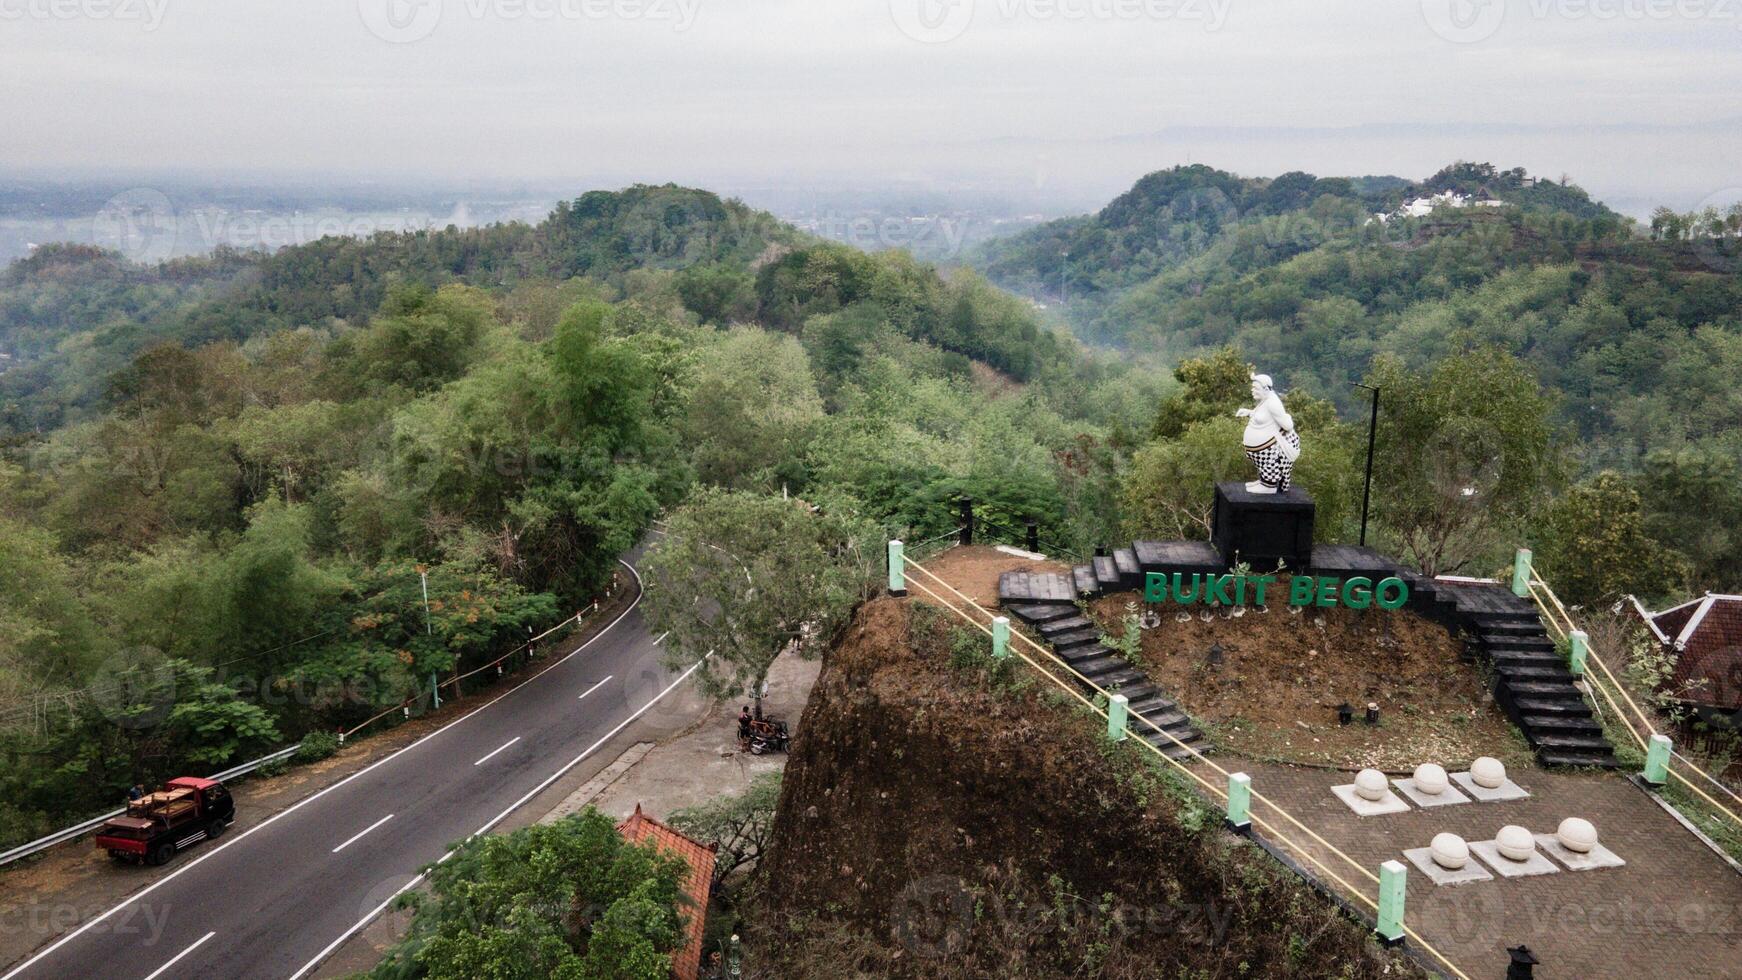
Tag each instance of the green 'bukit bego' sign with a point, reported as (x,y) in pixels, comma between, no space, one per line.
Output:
(1303,590)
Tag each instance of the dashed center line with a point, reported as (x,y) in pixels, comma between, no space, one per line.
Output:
(499,748)
(358,837)
(177,957)
(595,687)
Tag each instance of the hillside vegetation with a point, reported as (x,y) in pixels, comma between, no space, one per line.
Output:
(223,480)
(1631,335)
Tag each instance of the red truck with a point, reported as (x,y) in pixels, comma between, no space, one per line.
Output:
(183,813)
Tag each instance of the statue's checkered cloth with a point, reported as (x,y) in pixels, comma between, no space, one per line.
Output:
(1274,468)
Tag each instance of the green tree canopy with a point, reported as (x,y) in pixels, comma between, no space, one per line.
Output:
(739,577)
(570,900)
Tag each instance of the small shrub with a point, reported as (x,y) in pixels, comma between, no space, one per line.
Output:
(1129,643)
(316,746)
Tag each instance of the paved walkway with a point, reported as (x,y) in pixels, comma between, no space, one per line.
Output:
(1674,911)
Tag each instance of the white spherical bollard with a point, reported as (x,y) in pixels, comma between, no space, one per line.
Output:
(1577,835)
(1370,785)
(1488,773)
(1515,843)
(1430,779)
(1449,851)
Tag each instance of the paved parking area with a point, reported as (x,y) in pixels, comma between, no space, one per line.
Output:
(1675,909)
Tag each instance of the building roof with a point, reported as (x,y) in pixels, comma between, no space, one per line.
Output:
(639,828)
(1706,634)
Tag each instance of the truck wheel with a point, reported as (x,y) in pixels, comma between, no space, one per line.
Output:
(162,853)
(216,830)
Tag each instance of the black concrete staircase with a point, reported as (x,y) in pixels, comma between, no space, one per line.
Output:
(1046,602)
(1530,678)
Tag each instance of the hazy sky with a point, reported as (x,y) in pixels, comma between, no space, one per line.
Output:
(1065,99)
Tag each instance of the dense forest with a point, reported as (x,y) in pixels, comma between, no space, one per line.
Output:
(224,480)
(1632,335)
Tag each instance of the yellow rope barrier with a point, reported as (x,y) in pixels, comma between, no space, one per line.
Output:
(1199,756)
(1215,791)
(1689,763)
(1535,582)
(1726,810)
(1619,716)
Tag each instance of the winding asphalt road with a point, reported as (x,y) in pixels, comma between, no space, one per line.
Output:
(274,899)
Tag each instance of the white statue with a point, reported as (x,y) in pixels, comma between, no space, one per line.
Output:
(1271,442)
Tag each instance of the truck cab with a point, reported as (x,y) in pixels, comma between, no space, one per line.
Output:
(184,812)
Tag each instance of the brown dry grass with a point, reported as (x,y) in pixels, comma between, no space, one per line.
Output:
(1285,672)
(974,571)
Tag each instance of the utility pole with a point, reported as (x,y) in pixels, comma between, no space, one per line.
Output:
(423,575)
(1372,432)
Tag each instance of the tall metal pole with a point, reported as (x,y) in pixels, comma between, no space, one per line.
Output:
(423,575)
(1372,432)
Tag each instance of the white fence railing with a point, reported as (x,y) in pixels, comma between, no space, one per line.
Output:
(79,830)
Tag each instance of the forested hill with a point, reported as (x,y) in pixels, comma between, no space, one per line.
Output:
(1172,216)
(72,315)
(233,473)
(1636,332)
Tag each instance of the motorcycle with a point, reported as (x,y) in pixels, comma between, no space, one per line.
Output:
(767,736)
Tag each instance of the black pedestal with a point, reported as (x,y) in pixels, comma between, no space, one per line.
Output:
(1263,529)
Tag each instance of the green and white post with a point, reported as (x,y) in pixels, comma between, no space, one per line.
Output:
(1578,648)
(1239,802)
(1391,881)
(1117,712)
(897,569)
(1521,573)
(1001,637)
(1657,760)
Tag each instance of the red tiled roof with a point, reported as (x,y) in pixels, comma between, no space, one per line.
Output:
(1707,637)
(686,960)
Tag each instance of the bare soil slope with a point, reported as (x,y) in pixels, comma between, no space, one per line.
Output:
(1284,673)
(945,817)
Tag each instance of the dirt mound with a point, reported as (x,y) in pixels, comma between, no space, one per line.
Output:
(944,816)
(1285,670)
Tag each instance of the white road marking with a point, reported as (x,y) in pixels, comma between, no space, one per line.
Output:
(541,787)
(595,687)
(177,957)
(357,927)
(496,750)
(360,834)
(661,638)
(159,883)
